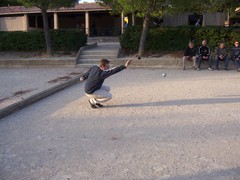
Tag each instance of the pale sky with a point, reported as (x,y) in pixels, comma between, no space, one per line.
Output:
(87,1)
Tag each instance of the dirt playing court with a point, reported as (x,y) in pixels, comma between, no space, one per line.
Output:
(183,126)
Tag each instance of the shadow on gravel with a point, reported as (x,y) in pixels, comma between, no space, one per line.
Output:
(182,102)
(227,174)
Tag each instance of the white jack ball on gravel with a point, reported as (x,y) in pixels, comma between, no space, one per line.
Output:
(164,74)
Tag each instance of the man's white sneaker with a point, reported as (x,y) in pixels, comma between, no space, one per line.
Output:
(210,69)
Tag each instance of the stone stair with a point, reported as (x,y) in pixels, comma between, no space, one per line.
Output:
(92,40)
(107,47)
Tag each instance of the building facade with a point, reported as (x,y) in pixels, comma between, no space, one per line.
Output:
(92,18)
(188,18)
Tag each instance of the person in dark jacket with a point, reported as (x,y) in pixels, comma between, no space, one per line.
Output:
(95,76)
(204,54)
(236,54)
(221,54)
(190,53)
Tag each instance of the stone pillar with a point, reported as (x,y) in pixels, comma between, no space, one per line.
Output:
(25,22)
(122,22)
(133,19)
(204,19)
(55,20)
(87,23)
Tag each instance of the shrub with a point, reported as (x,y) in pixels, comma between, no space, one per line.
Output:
(130,38)
(62,40)
(177,38)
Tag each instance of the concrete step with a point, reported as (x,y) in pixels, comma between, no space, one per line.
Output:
(108,47)
(115,45)
(103,39)
(98,50)
(94,61)
(100,53)
(98,56)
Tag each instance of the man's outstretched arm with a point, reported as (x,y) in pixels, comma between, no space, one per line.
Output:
(128,63)
(115,70)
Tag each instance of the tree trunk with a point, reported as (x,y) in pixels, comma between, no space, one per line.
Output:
(228,16)
(46,32)
(144,34)
(133,18)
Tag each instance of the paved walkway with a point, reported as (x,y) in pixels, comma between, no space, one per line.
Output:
(185,126)
(21,84)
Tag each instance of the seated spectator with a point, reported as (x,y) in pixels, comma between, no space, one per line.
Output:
(236,54)
(204,54)
(190,53)
(221,54)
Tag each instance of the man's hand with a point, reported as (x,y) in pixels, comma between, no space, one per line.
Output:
(81,79)
(128,63)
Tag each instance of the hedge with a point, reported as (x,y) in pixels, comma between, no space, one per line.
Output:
(62,40)
(177,38)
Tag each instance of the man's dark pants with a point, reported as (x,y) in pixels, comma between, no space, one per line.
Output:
(225,59)
(237,62)
(200,59)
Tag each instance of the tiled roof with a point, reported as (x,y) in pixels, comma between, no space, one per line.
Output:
(17,9)
(77,7)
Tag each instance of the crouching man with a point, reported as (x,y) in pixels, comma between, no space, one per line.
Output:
(95,76)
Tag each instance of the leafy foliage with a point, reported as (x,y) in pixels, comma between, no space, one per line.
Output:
(63,40)
(201,6)
(177,38)
(9,3)
(44,5)
(142,8)
(47,4)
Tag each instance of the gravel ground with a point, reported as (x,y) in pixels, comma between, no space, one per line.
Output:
(184,126)
(19,83)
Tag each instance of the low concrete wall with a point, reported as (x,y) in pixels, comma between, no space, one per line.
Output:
(37,63)
(167,63)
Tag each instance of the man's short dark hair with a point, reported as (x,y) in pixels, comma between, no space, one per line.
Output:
(104,62)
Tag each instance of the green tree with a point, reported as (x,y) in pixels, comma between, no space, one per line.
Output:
(203,6)
(228,6)
(44,5)
(197,6)
(143,8)
(9,3)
